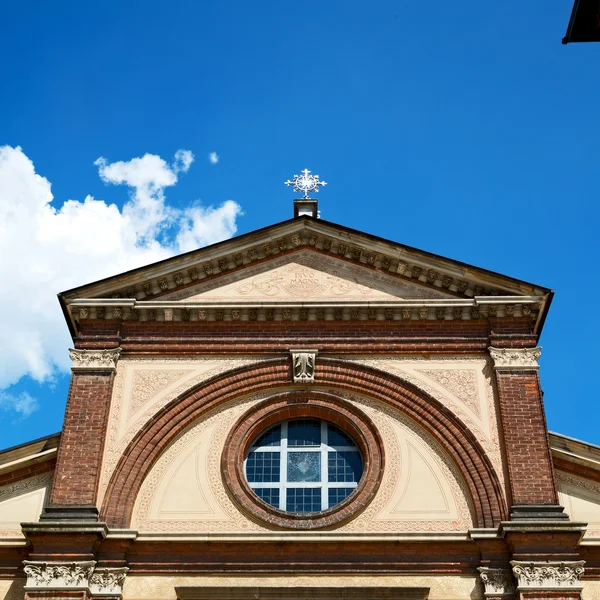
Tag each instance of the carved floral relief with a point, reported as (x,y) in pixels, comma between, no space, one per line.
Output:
(145,385)
(306,275)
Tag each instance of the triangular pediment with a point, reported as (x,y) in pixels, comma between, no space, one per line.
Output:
(305,276)
(303,261)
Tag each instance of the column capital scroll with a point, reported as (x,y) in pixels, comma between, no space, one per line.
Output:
(100,360)
(497,582)
(548,576)
(515,358)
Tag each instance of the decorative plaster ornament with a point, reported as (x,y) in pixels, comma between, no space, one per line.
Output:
(516,358)
(549,575)
(497,582)
(303,362)
(94,359)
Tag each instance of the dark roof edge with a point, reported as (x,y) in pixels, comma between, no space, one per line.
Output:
(576,440)
(30,443)
(308,219)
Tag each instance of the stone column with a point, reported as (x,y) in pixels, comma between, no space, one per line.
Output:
(548,580)
(75,486)
(532,487)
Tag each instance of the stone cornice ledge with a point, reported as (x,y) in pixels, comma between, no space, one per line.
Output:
(548,576)
(96,360)
(65,527)
(515,358)
(535,526)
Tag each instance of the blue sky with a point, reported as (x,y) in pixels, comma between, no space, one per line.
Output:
(463,128)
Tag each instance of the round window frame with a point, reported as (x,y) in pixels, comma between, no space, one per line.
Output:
(300,405)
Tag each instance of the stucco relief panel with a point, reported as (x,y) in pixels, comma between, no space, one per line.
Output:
(465,385)
(305,275)
(446,587)
(581,499)
(145,385)
(190,468)
(22,501)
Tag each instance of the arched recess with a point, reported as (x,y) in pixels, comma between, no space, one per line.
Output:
(174,418)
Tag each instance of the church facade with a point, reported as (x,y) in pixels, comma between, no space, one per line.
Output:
(304,411)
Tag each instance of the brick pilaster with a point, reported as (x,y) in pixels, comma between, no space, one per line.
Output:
(75,485)
(532,487)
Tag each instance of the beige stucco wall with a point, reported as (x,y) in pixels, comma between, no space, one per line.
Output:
(22,501)
(581,499)
(441,587)
(142,387)
(421,489)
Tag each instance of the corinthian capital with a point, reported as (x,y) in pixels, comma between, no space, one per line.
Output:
(516,358)
(551,575)
(108,581)
(104,360)
(53,575)
(497,582)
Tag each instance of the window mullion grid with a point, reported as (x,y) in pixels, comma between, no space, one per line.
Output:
(283,467)
(324,463)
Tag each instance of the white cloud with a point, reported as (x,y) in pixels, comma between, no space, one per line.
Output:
(47,249)
(213,158)
(23,404)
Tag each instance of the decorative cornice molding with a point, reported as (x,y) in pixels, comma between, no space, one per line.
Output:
(497,582)
(54,575)
(549,575)
(303,365)
(459,309)
(105,360)
(516,358)
(108,581)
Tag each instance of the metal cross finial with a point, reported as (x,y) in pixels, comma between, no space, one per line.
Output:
(305,183)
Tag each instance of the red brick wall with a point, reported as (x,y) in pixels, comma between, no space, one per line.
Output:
(531,475)
(82,439)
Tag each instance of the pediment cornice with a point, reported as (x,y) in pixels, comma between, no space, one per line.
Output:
(478,291)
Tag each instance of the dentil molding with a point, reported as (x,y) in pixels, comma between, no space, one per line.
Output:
(105,360)
(108,581)
(549,575)
(516,358)
(303,365)
(497,582)
(58,575)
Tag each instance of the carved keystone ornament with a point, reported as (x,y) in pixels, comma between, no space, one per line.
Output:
(105,360)
(303,365)
(516,358)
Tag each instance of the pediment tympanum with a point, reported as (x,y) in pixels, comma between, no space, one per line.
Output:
(305,276)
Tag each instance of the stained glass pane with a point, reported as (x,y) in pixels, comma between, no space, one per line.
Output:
(304,432)
(304,466)
(272,437)
(344,466)
(336,437)
(336,495)
(269,495)
(262,467)
(301,500)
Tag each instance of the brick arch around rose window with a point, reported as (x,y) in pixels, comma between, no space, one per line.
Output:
(164,428)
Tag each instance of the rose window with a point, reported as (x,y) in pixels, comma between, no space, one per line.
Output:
(303,466)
